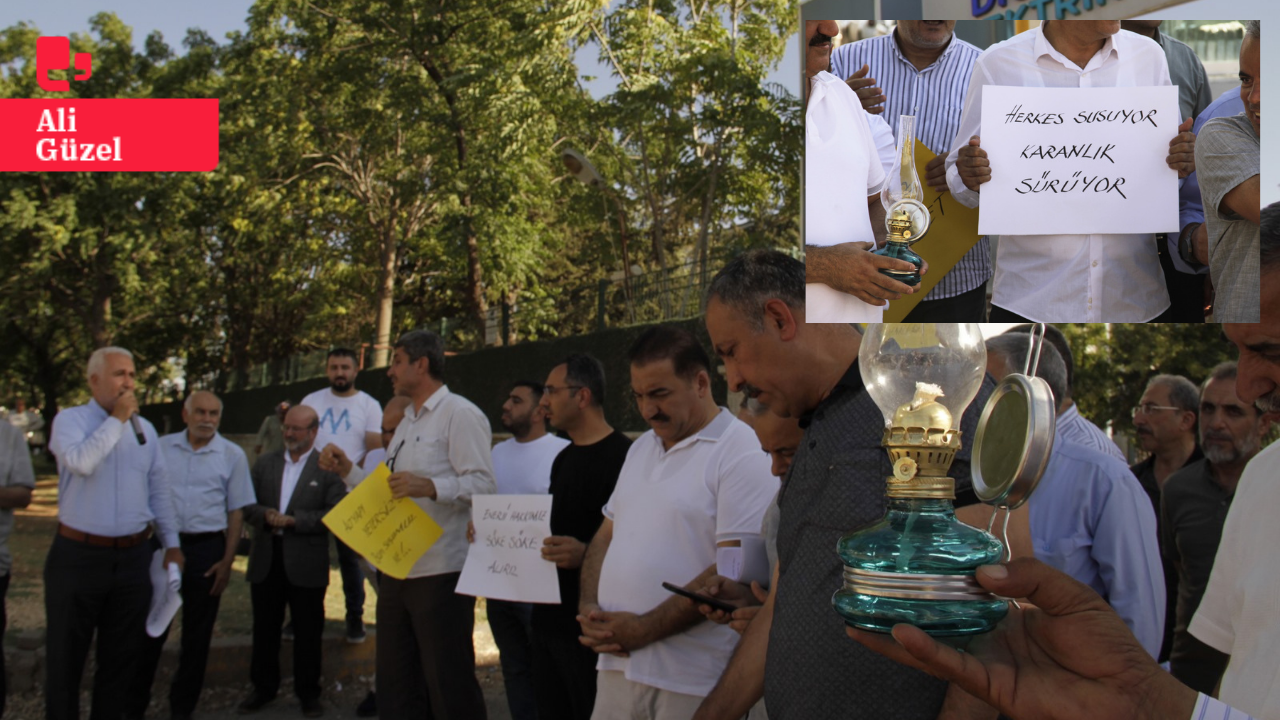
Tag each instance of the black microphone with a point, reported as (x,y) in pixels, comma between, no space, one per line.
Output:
(137,429)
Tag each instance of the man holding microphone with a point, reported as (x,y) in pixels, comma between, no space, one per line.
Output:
(111,487)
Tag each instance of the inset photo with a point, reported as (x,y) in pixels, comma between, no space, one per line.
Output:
(1081,201)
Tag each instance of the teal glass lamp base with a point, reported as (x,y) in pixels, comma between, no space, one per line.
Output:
(916,566)
(902,251)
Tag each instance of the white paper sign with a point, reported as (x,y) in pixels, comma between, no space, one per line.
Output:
(505,561)
(1078,160)
(166,597)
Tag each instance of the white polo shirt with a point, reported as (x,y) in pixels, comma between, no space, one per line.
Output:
(524,468)
(1238,613)
(669,509)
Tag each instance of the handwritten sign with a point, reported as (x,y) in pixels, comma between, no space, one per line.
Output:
(953,231)
(505,561)
(391,533)
(1079,160)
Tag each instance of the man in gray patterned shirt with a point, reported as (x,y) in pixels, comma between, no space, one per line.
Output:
(1227,160)
(16,481)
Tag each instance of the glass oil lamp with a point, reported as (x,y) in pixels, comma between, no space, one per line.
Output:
(916,564)
(906,216)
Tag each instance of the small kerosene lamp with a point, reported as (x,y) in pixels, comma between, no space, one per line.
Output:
(906,216)
(916,564)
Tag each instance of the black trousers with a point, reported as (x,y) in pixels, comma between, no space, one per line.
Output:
(426,660)
(199,611)
(1186,292)
(969,306)
(306,608)
(564,671)
(88,589)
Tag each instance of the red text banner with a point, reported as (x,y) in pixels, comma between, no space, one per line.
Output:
(108,135)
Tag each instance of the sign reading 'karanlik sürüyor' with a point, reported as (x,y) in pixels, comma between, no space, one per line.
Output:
(102,134)
(1079,160)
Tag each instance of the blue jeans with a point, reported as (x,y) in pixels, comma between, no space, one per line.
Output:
(513,631)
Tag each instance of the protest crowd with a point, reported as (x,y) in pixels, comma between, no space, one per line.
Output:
(742,508)
(1072,250)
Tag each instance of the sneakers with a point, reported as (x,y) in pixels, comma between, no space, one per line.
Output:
(368,707)
(355,631)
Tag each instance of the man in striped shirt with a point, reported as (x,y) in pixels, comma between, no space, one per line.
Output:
(923,69)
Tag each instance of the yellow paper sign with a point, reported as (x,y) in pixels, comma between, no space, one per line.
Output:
(912,335)
(953,230)
(391,533)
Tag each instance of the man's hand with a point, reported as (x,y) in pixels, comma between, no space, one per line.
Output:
(616,633)
(595,635)
(471,532)
(126,406)
(1065,657)
(1182,150)
(404,484)
(869,95)
(334,460)
(747,599)
(277,519)
(174,555)
(973,165)
(566,552)
(221,572)
(935,174)
(1200,244)
(852,268)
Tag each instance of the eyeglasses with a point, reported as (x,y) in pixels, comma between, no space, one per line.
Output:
(391,461)
(552,389)
(1150,408)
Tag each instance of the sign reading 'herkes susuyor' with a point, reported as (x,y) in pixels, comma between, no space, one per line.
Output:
(142,134)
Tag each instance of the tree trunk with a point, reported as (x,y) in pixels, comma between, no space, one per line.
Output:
(475,280)
(386,299)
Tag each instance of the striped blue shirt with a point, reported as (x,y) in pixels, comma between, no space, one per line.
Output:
(935,96)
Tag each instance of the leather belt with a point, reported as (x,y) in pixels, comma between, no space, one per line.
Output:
(126,541)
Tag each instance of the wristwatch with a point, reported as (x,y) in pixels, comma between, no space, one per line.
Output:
(1185,251)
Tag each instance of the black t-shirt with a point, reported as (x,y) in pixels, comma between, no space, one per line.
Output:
(582,479)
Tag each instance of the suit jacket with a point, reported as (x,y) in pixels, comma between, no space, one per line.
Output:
(306,544)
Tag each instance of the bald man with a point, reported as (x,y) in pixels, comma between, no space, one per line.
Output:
(210,479)
(289,561)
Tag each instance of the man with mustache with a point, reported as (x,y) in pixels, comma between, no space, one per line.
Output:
(693,483)
(1227,161)
(843,213)
(348,421)
(1165,419)
(1194,507)
(210,479)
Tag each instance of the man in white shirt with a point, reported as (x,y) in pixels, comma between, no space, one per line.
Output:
(348,419)
(1237,614)
(843,212)
(1059,278)
(693,483)
(439,456)
(521,466)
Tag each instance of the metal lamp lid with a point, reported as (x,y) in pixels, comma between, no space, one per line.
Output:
(916,212)
(1013,442)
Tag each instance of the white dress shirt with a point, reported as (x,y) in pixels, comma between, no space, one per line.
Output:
(448,441)
(1068,278)
(292,471)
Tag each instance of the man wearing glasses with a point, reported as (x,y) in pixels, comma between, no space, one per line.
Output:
(583,476)
(1165,421)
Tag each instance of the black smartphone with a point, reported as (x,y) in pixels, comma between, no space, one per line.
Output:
(700,599)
